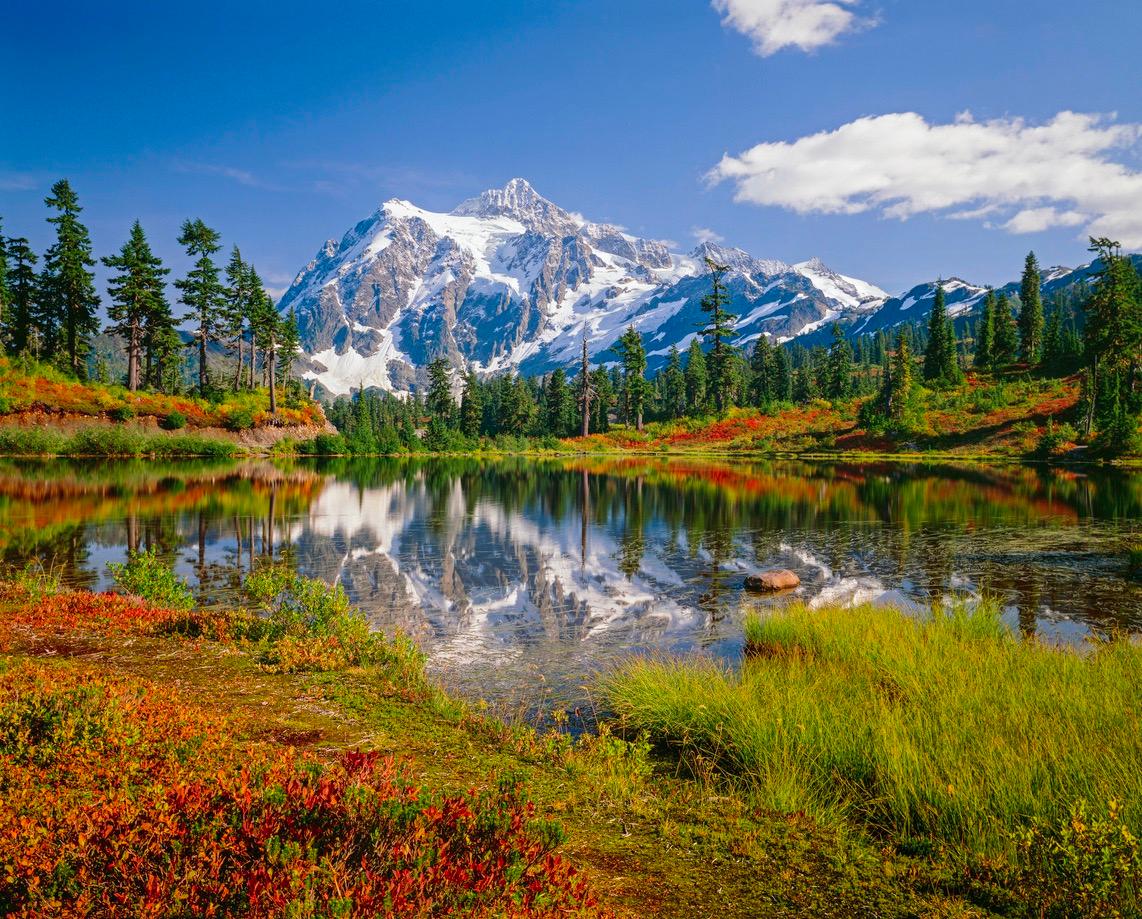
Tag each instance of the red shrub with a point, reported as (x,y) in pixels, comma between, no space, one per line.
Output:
(120,801)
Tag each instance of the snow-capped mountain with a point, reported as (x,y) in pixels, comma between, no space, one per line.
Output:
(510,280)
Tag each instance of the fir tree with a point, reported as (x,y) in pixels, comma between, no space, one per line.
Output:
(202,291)
(718,330)
(604,398)
(632,357)
(471,406)
(840,366)
(235,310)
(940,366)
(696,378)
(1005,337)
(782,376)
(585,392)
(137,295)
(267,325)
(68,288)
(290,344)
(900,378)
(19,328)
(805,385)
(985,332)
(5,296)
(557,404)
(1114,348)
(674,385)
(761,364)
(440,403)
(1031,311)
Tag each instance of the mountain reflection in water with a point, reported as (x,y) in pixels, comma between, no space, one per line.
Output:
(522,577)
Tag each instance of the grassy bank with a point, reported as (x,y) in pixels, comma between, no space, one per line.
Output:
(1014,418)
(112,441)
(1020,761)
(235,732)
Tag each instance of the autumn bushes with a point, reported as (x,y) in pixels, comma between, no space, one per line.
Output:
(121,801)
(27,386)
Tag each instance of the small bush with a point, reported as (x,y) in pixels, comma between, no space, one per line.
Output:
(239,419)
(1088,866)
(121,413)
(174,421)
(146,575)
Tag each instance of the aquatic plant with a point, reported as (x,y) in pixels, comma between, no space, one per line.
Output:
(146,575)
(946,728)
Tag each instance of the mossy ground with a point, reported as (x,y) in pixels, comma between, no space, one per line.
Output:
(654,839)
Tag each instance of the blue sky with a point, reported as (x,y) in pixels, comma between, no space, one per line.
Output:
(282,124)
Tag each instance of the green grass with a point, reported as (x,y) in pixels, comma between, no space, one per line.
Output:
(946,729)
(110,442)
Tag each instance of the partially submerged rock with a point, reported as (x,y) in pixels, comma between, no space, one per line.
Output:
(778,579)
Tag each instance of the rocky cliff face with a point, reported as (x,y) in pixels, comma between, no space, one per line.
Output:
(509,280)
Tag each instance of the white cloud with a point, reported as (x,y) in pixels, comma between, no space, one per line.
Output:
(777,24)
(706,235)
(1034,176)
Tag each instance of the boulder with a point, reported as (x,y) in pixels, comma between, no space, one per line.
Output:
(778,579)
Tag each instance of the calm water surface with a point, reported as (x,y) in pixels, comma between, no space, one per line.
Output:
(522,578)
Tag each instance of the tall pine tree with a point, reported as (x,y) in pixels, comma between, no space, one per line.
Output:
(940,365)
(138,294)
(840,366)
(696,378)
(235,309)
(1031,311)
(202,292)
(632,356)
(718,330)
(67,292)
(1004,336)
(985,332)
(19,324)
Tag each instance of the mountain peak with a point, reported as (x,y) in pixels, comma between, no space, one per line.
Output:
(519,200)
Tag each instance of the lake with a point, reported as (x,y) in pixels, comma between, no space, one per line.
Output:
(522,577)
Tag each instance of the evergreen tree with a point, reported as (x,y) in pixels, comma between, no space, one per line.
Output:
(782,375)
(632,357)
(761,364)
(235,309)
(138,294)
(585,392)
(1114,349)
(900,378)
(69,302)
(1005,337)
(471,406)
(290,344)
(674,385)
(719,329)
(604,398)
(940,366)
(19,329)
(5,295)
(696,378)
(840,366)
(1031,312)
(557,404)
(267,324)
(804,385)
(1052,355)
(985,332)
(440,403)
(202,291)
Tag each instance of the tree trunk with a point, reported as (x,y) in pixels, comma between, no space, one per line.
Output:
(1092,397)
(271,359)
(133,357)
(203,376)
(238,372)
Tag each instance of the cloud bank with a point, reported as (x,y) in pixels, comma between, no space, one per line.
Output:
(775,24)
(1022,177)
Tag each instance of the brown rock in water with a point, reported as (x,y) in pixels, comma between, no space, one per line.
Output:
(779,579)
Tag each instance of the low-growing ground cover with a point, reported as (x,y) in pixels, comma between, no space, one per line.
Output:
(648,841)
(1017,763)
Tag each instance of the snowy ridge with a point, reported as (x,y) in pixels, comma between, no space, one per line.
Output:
(509,281)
